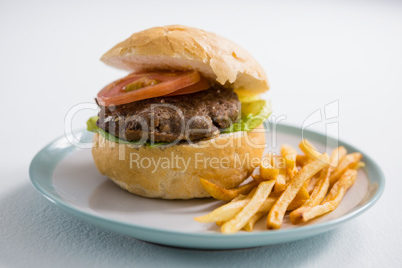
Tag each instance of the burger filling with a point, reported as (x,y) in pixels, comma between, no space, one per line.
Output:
(166,119)
(162,107)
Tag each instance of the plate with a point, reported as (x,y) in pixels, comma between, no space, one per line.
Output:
(67,176)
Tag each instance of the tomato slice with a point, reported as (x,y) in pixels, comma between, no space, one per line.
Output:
(201,85)
(140,86)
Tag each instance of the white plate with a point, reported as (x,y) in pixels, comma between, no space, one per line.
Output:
(68,177)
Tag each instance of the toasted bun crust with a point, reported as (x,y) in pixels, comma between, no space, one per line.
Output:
(226,160)
(184,48)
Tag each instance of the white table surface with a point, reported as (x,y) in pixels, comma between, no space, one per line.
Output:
(313,52)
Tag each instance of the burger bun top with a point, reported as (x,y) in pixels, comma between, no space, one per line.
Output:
(182,48)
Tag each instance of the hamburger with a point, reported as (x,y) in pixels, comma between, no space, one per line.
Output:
(189,109)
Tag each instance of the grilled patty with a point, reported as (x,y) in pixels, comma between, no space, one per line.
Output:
(167,119)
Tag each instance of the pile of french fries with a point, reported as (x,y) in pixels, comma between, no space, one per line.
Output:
(304,185)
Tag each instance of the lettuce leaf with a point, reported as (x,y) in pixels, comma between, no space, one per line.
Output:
(92,127)
(253,114)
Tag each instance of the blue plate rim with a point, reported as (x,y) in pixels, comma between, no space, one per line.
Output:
(204,240)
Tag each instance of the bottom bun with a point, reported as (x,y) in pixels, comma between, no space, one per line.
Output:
(174,172)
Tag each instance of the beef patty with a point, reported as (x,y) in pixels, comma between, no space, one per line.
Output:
(167,119)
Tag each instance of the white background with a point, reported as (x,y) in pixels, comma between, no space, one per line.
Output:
(314,53)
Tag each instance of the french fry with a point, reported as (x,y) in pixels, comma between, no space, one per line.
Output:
(227,211)
(259,197)
(321,190)
(287,150)
(239,197)
(347,162)
(263,210)
(300,198)
(291,166)
(309,149)
(346,181)
(268,172)
(223,213)
(276,214)
(307,182)
(312,183)
(278,161)
(287,182)
(302,160)
(322,185)
(221,193)
(280,183)
(330,203)
(359,165)
(256,175)
(289,153)
(257,178)
(251,222)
